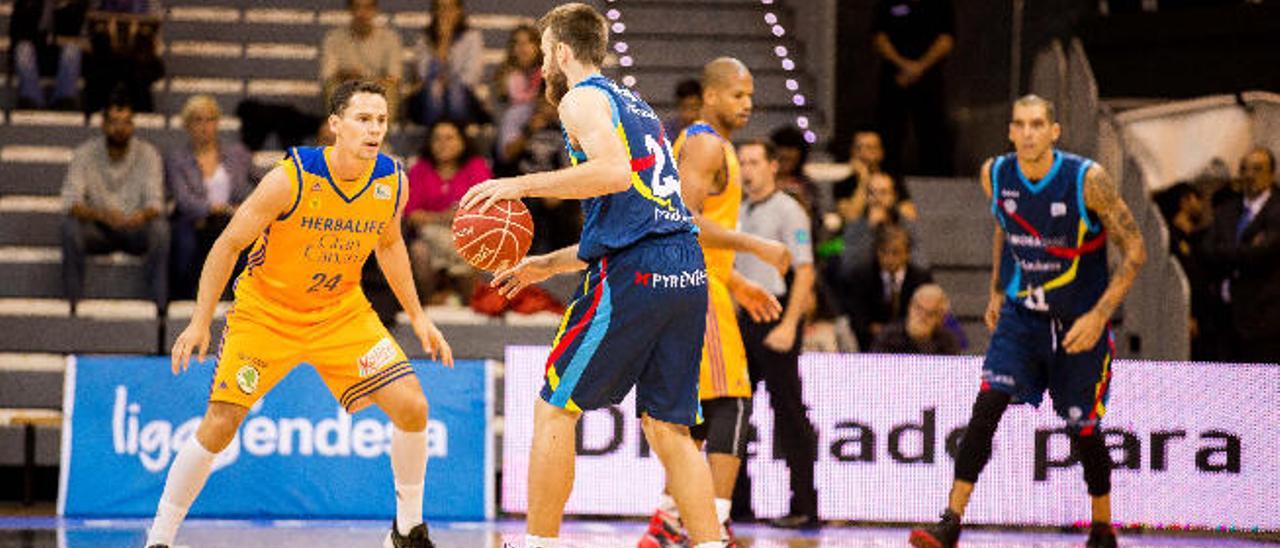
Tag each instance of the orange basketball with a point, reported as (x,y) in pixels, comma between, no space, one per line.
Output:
(496,239)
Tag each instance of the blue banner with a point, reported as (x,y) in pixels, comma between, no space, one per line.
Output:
(297,454)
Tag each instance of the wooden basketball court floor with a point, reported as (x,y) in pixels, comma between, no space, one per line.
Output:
(49,532)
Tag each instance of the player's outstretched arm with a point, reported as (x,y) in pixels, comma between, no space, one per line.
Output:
(587,117)
(1102,197)
(393,259)
(275,194)
(996,298)
(701,158)
(532,270)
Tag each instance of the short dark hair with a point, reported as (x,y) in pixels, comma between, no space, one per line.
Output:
(345,91)
(468,147)
(688,88)
(886,233)
(352,3)
(770,152)
(580,27)
(118,99)
(791,137)
(433,28)
(1169,200)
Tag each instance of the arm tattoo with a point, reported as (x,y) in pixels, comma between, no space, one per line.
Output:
(1101,196)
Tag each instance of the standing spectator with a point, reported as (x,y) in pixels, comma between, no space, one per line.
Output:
(1243,247)
(875,294)
(113,197)
(208,178)
(773,347)
(913,37)
(449,64)
(688,105)
(519,84)
(924,331)
(363,50)
(1186,212)
(45,39)
(447,169)
(123,46)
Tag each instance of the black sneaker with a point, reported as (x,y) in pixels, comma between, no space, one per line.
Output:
(796,521)
(418,537)
(158,546)
(944,534)
(1101,535)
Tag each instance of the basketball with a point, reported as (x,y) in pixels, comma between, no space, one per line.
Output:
(496,239)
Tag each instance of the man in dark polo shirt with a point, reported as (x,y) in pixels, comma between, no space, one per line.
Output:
(913,37)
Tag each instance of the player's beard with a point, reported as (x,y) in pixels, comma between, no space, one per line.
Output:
(557,85)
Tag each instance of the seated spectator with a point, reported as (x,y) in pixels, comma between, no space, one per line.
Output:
(1242,250)
(518,82)
(537,146)
(45,39)
(363,50)
(875,294)
(923,332)
(688,104)
(883,209)
(113,197)
(449,66)
(851,193)
(793,154)
(447,169)
(207,178)
(123,46)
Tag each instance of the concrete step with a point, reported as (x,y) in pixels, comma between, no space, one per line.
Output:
(30,221)
(102,327)
(771,85)
(693,52)
(689,18)
(968,290)
(31,380)
(36,272)
(48,446)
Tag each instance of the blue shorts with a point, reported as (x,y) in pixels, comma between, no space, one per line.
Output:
(637,320)
(1026,357)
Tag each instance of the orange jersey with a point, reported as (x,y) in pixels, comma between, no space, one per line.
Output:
(724,358)
(309,259)
(722,207)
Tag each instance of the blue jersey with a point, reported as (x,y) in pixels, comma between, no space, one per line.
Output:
(652,205)
(1054,257)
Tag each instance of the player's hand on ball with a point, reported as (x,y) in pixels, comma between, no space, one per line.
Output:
(760,304)
(193,337)
(993,310)
(528,271)
(433,341)
(1084,332)
(485,194)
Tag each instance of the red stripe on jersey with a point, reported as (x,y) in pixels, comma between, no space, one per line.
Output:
(642,163)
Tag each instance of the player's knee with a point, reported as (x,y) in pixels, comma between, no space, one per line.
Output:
(661,433)
(219,425)
(1096,461)
(987,411)
(412,414)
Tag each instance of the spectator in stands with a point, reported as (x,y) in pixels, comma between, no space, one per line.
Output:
(1186,212)
(518,82)
(883,208)
(875,294)
(923,331)
(793,154)
(688,104)
(538,147)
(44,37)
(363,50)
(207,179)
(865,159)
(913,37)
(113,196)
(124,52)
(449,62)
(1243,248)
(447,168)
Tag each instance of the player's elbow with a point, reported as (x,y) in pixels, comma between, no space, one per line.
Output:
(617,174)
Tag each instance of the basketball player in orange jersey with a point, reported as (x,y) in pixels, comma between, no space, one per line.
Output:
(640,313)
(313,221)
(712,188)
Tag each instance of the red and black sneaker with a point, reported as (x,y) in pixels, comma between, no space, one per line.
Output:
(664,531)
(730,541)
(943,534)
(1101,535)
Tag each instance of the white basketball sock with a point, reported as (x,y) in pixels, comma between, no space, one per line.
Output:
(668,505)
(186,478)
(722,509)
(531,541)
(712,544)
(409,468)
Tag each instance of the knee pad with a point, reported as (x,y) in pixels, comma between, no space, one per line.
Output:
(975,447)
(1096,461)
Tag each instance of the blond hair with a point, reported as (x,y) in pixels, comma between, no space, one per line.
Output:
(199,102)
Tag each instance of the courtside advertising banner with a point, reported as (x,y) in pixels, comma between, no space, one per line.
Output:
(297,454)
(1194,444)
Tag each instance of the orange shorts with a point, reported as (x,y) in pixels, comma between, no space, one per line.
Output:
(349,348)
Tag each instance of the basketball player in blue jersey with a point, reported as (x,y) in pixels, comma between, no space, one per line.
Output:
(1051,300)
(640,313)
